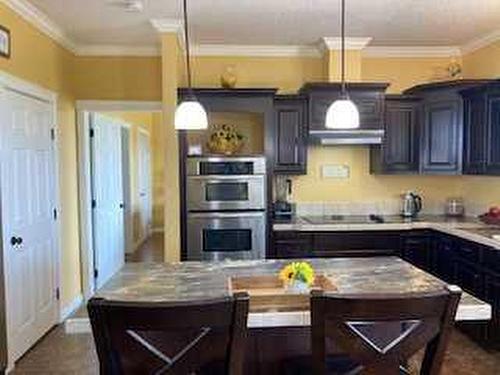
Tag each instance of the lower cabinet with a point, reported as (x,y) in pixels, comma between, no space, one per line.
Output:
(290,244)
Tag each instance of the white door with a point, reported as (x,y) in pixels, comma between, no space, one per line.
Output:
(107,195)
(144,174)
(28,179)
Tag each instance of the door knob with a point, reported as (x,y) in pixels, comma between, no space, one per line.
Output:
(16,241)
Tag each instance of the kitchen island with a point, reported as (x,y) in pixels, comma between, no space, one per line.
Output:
(275,336)
(155,282)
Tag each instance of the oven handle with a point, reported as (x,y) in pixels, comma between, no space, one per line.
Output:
(226,214)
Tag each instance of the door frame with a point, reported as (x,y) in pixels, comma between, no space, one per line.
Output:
(146,133)
(10,82)
(84,108)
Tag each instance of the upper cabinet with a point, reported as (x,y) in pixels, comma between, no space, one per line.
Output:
(482,130)
(441,141)
(368,97)
(290,142)
(399,153)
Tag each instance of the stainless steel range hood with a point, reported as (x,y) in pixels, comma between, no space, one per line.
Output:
(346,137)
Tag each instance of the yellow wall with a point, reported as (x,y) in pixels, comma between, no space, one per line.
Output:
(483,63)
(158,146)
(38,59)
(403,73)
(286,73)
(117,78)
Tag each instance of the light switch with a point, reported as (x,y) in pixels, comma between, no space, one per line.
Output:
(335,171)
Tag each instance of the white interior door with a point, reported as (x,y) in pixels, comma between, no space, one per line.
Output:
(107,195)
(144,165)
(28,179)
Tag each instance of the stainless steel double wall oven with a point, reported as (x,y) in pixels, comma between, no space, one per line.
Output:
(226,204)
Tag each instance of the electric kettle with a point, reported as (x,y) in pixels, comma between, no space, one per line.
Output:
(411,204)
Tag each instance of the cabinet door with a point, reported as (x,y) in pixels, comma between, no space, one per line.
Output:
(416,249)
(468,277)
(493,137)
(442,138)
(400,148)
(292,244)
(443,250)
(291,136)
(475,134)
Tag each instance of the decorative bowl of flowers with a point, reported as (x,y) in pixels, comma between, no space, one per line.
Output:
(298,277)
(225,139)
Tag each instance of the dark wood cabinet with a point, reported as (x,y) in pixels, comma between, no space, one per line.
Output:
(399,152)
(482,130)
(416,249)
(441,150)
(442,128)
(290,135)
(475,130)
(468,276)
(368,97)
(492,166)
(292,244)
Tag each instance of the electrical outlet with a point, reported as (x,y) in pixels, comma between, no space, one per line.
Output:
(335,171)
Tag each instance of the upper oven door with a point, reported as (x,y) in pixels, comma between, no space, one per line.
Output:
(210,193)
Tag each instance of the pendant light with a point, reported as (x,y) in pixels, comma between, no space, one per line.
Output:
(190,114)
(343,113)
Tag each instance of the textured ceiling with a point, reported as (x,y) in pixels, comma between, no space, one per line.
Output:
(278,22)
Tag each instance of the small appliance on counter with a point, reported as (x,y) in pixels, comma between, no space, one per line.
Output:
(455,207)
(411,204)
(283,209)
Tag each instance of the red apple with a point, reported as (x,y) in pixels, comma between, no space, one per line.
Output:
(494,211)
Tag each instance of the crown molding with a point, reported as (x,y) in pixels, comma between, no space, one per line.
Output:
(255,50)
(480,42)
(117,50)
(335,43)
(41,21)
(417,51)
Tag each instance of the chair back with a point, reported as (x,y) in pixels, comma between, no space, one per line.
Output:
(380,332)
(170,338)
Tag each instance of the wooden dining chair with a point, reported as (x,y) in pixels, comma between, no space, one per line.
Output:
(205,337)
(380,332)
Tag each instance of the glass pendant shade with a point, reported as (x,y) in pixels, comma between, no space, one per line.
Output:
(342,114)
(190,115)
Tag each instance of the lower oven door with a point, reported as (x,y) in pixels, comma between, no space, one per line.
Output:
(219,236)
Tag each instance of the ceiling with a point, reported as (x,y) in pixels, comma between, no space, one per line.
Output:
(279,22)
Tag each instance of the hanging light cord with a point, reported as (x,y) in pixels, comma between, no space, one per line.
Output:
(342,47)
(186,39)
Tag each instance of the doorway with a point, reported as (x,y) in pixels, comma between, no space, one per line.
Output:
(121,160)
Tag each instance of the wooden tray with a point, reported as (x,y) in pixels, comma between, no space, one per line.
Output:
(267,292)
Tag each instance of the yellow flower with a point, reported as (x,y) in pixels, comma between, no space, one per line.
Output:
(301,271)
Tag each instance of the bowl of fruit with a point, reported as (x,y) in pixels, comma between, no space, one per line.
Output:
(492,216)
(225,139)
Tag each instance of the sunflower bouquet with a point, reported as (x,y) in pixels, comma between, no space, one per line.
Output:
(297,273)
(225,139)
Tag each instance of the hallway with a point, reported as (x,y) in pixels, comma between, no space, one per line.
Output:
(150,251)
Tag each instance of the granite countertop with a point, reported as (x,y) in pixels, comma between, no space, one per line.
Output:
(155,282)
(469,228)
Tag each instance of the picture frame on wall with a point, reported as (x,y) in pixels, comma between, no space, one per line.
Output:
(5,44)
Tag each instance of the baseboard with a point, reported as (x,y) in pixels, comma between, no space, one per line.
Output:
(158,230)
(77,326)
(139,243)
(70,308)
